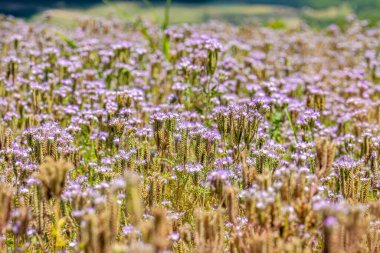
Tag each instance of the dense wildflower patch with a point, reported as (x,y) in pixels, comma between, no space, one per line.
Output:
(124,137)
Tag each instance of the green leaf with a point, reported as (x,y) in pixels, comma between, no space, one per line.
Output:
(69,41)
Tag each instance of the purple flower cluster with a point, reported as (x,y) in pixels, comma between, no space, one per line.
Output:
(123,137)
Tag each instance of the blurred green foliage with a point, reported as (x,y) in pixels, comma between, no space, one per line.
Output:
(317,13)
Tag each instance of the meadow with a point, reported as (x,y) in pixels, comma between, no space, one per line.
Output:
(136,136)
(236,13)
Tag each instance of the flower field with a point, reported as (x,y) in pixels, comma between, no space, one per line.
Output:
(124,136)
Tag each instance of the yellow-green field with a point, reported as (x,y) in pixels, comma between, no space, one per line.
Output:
(235,13)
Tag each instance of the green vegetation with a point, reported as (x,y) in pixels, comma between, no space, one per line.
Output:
(271,15)
(275,13)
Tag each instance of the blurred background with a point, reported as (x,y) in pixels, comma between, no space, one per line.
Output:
(274,13)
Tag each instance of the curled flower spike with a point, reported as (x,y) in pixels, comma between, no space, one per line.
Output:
(6,206)
(325,154)
(53,176)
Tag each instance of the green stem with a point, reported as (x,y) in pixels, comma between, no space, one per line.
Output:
(167,15)
(291,124)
